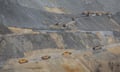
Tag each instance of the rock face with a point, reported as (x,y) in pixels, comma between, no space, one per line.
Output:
(35,13)
(32,29)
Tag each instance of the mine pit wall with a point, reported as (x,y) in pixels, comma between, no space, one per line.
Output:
(31,14)
(116,17)
(14,46)
(91,31)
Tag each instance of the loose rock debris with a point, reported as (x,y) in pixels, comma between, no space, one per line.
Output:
(22,61)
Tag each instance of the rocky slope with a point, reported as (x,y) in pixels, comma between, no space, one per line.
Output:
(31,29)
